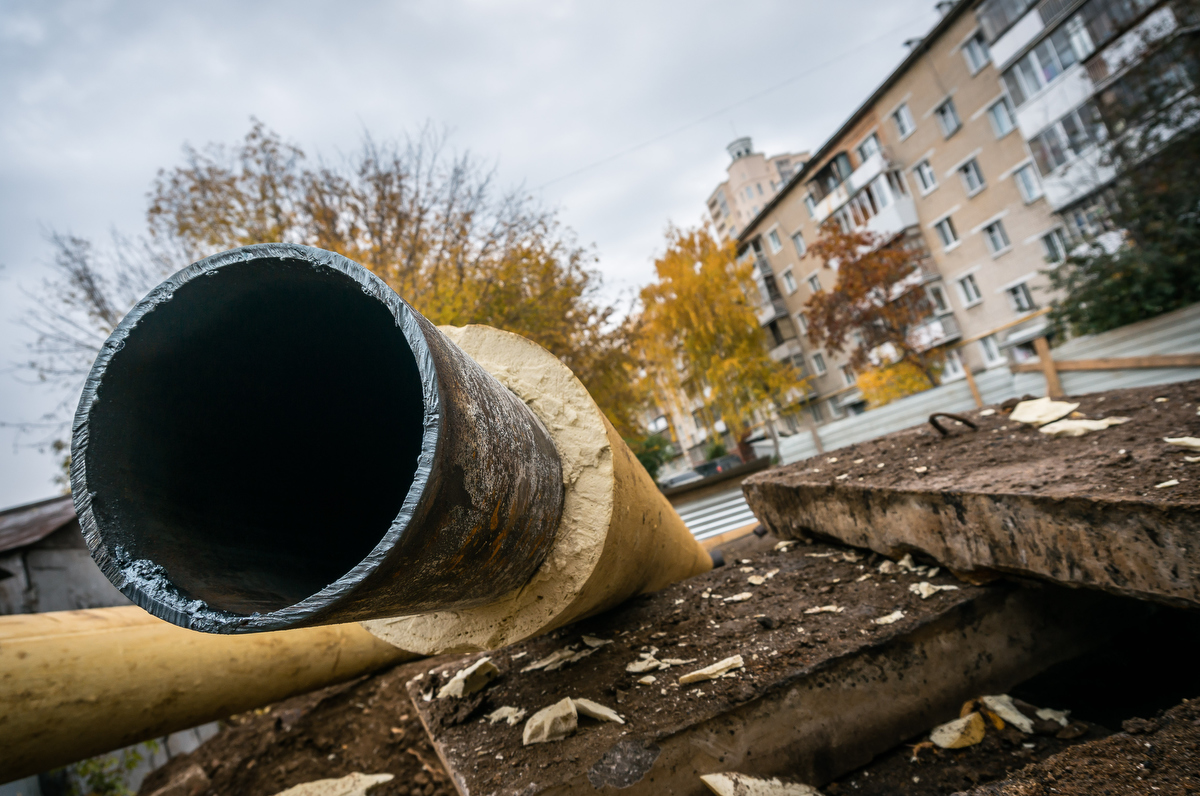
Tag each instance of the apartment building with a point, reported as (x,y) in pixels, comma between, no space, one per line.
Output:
(1061,63)
(752,180)
(935,155)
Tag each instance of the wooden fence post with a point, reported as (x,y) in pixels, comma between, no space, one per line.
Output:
(1053,385)
(974,387)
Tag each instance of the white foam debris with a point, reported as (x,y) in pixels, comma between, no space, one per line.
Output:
(1192,443)
(893,617)
(1002,705)
(554,659)
(1077,428)
(1165,484)
(355,784)
(469,680)
(648,680)
(756,580)
(731,784)
(1041,411)
(825,609)
(552,723)
(967,731)
(1049,714)
(596,643)
(927,589)
(507,714)
(785,545)
(739,598)
(986,412)
(714,671)
(594,710)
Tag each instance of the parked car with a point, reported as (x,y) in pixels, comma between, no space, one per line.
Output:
(720,465)
(679,479)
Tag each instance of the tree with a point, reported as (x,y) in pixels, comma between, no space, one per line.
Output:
(1148,263)
(430,224)
(700,337)
(876,308)
(882,385)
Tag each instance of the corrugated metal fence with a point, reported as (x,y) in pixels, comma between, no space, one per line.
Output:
(1174,333)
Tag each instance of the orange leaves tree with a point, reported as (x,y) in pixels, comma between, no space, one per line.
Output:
(700,337)
(430,223)
(876,307)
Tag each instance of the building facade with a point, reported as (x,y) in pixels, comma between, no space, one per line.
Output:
(936,154)
(752,179)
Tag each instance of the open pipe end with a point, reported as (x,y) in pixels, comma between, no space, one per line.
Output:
(261,444)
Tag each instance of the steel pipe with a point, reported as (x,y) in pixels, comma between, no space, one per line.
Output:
(273,438)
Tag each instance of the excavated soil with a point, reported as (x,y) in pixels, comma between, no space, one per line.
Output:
(771,630)
(367,725)
(1160,755)
(1125,461)
(917,769)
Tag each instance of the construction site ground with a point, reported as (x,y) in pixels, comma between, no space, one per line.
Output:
(372,725)
(1124,461)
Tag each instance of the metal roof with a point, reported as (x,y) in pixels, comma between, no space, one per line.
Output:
(21,526)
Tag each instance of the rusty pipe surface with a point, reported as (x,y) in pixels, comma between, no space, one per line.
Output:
(74,684)
(273,438)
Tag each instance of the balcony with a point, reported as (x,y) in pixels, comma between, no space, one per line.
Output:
(858,179)
(786,350)
(772,310)
(935,332)
(895,218)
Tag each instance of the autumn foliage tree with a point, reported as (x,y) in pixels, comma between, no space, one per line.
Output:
(875,308)
(429,223)
(700,336)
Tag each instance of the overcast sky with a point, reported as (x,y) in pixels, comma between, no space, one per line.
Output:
(616,113)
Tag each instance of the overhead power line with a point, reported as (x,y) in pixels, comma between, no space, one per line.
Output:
(709,116)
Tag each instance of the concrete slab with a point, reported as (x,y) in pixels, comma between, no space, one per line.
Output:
(825,686)
(1128,547)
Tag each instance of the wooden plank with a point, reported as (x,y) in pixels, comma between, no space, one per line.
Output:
(1053,385)
(974,387)
(1115,363)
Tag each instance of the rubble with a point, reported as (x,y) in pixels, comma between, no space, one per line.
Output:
(507,714)
(1077,428)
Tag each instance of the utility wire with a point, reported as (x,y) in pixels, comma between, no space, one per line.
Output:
(727,108)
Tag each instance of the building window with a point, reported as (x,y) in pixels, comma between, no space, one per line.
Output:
(773,239)
(810,205)
(991,351)
(1001,115)
(972,177)
(970,290)
(925,176)
(938,297)
(1068,45)
(1028,183)
(996,238)
(1073,133)
(802,322)
(789,281)
(1020,297)
(798,242)
(814,283)
(976,53)
(818,364)
(904,121)
(1055,244)
(952,367)
(947,233)
(868,148)
(848,376)
(947,118)
(836,409)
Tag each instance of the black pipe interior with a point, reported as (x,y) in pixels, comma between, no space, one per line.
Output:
(257,434)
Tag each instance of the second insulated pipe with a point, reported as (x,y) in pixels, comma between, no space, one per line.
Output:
(273,438)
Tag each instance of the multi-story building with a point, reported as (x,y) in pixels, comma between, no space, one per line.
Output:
(933,154)
(752,180)
(1061,62)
